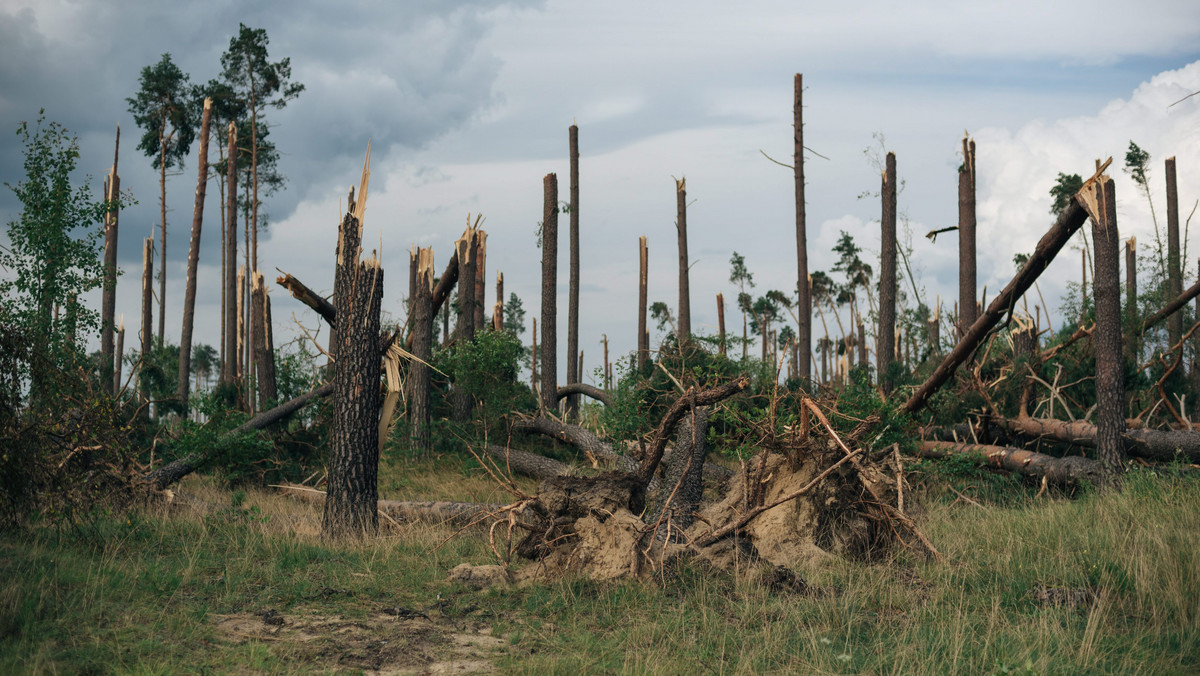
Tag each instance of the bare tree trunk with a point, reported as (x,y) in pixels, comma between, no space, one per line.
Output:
(684,326)
(120,354)
(721,323)
(935,331)
(966,238)
(419,408)
(549,292)
(1131,300)
(463,402)
(573,371)
(886,338)
(189,298)
(643,280)
(1174,275)
(1110,376)
(1196,366)
(108,307)
(682,485)
(147,321)
(480,248)
(162,272)
(264,355)
(229,365)
(498,312)
(862,343)
(804,298)
(350,506)
(1067,471)
(240,349)
(412,281)
(533,362)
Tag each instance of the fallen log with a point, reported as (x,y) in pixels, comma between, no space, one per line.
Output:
(526,463)
(1068,471)
(459,513)
(585,389)
(311,298)
(1171,308)
(1160,445)
(1071,219)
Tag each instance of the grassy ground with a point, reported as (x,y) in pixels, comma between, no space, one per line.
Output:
(1098,584)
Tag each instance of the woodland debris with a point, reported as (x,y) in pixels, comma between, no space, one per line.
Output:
(1067,471)
(309,297)
(583,388)
(1161,445)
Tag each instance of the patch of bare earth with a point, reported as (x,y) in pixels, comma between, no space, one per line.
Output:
(396,642)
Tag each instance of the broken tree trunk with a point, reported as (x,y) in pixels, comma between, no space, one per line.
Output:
(571,409)
(1171,308)
(1131,305)
(684,325)
(498,311)
(147,323)
(422,332)
(1110,375)
(804,298)
(189,298)
(455,513)
(721,324)
(108,303)
(311,298)
(350,508)
(885,339)
(1051,243)
(264,354)
(575,389)
(549,354)
(643,338)
(675,413)
(966,237)
(1068,471)
(229,363)
(479,248)
(465,248)
(675,504)
(1161,445)
(1174,276)
(526,463)
(117,357)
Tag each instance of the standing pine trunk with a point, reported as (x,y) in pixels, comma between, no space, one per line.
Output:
(463,402)
(885,339)
(498,311)
(804,296)
(643,340)
(966,237)
(684,329)
(117,357)
(162,272)
(352,490)
(480,248)
(422,313)
(1110,384)
(147,322)
(1174,275)
(549,291)
(264,353)
(412,282)
(1131,303)
(108,307)
(189,298)
(572,404)
(534,355)
(229,364)
(721,323)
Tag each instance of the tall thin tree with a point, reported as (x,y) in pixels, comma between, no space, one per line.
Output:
(1110,383)
(549,384)
(189,298)
(803,345)
(572,405)
(885,339)
(684,327)
(966,237)
(108,306)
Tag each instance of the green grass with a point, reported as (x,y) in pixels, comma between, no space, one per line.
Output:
(143,593)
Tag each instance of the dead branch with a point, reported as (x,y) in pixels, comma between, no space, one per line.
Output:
(585,389)
(309,297)
(675,413)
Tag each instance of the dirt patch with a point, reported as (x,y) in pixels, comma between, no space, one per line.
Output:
(384,643)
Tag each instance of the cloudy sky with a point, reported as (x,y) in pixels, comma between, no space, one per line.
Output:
(467,107)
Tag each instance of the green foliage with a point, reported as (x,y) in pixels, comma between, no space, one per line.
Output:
(487,368)
(164,110)
(1137,164)
(1064,188)
(514,316)
(255,80)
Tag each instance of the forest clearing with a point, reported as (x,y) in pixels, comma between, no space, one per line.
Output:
(861,481)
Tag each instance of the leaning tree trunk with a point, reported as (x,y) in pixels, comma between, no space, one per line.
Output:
(189,298)
(350,508)
(108,307)
(419,407)
(573,370)
(684,326)
(643,341)
(229,364)
(463,403)
(264,354)
(549,293)
(966,238)
(804,298)
(1174,276)
(147,321)
(1110,376)
(885,340)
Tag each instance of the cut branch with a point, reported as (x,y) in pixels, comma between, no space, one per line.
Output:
(309,297)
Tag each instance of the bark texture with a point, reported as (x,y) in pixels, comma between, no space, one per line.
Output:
(463,402)
(572,403)
(108,302)
(229,364)
(311,298)
(1160,445)
(264,353)
(966,238)
(147,319)
(1110,380)
(1174,272)
(684,326)
(721,323)
(549,341)
(422,327)
(804,298)
(682,486)
(643,338)
(885,341)
(350,508)
(576,389)
(189,298)
(1067,471)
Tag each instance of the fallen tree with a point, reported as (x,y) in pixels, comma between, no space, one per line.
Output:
(583,388)
(1068,471)
(1161,445)
(458,513)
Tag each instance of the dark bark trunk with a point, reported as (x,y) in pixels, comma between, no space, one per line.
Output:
(526,463)
(534,355)
(721,323)
(441,294)
(1131,299)
(422,327)
(311,298)
(264,355)
(480,261)
(675,413)
(682,486)
(862,343)
(886,338)
(1051,243)
(966,237)
(1068,471)
(549,293)
(643,280)
(108,307)
(350,507)
(1110,380)
(162,272)
(684,326)
(463,402)
(229,364)
(572,403)
(1174,276)
(804,297)
(412,282)
(189,298)
(117,357)
(1161,445)
(498,314)
(1171,308)
(147,320)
